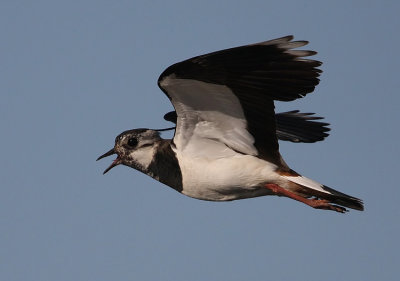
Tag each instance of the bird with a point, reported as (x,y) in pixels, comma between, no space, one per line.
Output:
(225,143)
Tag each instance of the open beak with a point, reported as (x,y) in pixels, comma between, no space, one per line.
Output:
(116,162)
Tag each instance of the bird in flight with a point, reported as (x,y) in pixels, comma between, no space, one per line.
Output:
(225,146)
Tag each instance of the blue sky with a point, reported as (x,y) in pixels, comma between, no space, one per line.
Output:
(74,74)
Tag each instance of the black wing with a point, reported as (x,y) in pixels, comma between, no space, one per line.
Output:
(294,126)
(257,74)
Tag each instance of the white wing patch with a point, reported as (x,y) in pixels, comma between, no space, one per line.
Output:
(208,114)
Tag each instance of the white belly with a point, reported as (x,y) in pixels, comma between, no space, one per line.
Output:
(228,178)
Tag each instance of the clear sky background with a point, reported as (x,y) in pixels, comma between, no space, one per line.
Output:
(74,74)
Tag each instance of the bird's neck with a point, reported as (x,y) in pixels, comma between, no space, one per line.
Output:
(165,167)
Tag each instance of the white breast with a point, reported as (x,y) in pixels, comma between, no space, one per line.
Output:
(216,153)
(226,178)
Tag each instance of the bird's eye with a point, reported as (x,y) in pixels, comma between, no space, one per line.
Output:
(132,142)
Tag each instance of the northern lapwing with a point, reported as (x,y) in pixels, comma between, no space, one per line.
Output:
(225,145)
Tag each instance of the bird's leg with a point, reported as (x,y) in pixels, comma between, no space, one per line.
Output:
(314,202)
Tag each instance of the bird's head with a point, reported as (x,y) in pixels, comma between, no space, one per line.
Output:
(134,148)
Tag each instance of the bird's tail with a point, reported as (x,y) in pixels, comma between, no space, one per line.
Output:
(310,188)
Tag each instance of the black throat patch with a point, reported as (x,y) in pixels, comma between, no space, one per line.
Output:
(165,166)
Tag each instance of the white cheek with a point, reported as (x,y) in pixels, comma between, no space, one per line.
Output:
(143,156)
